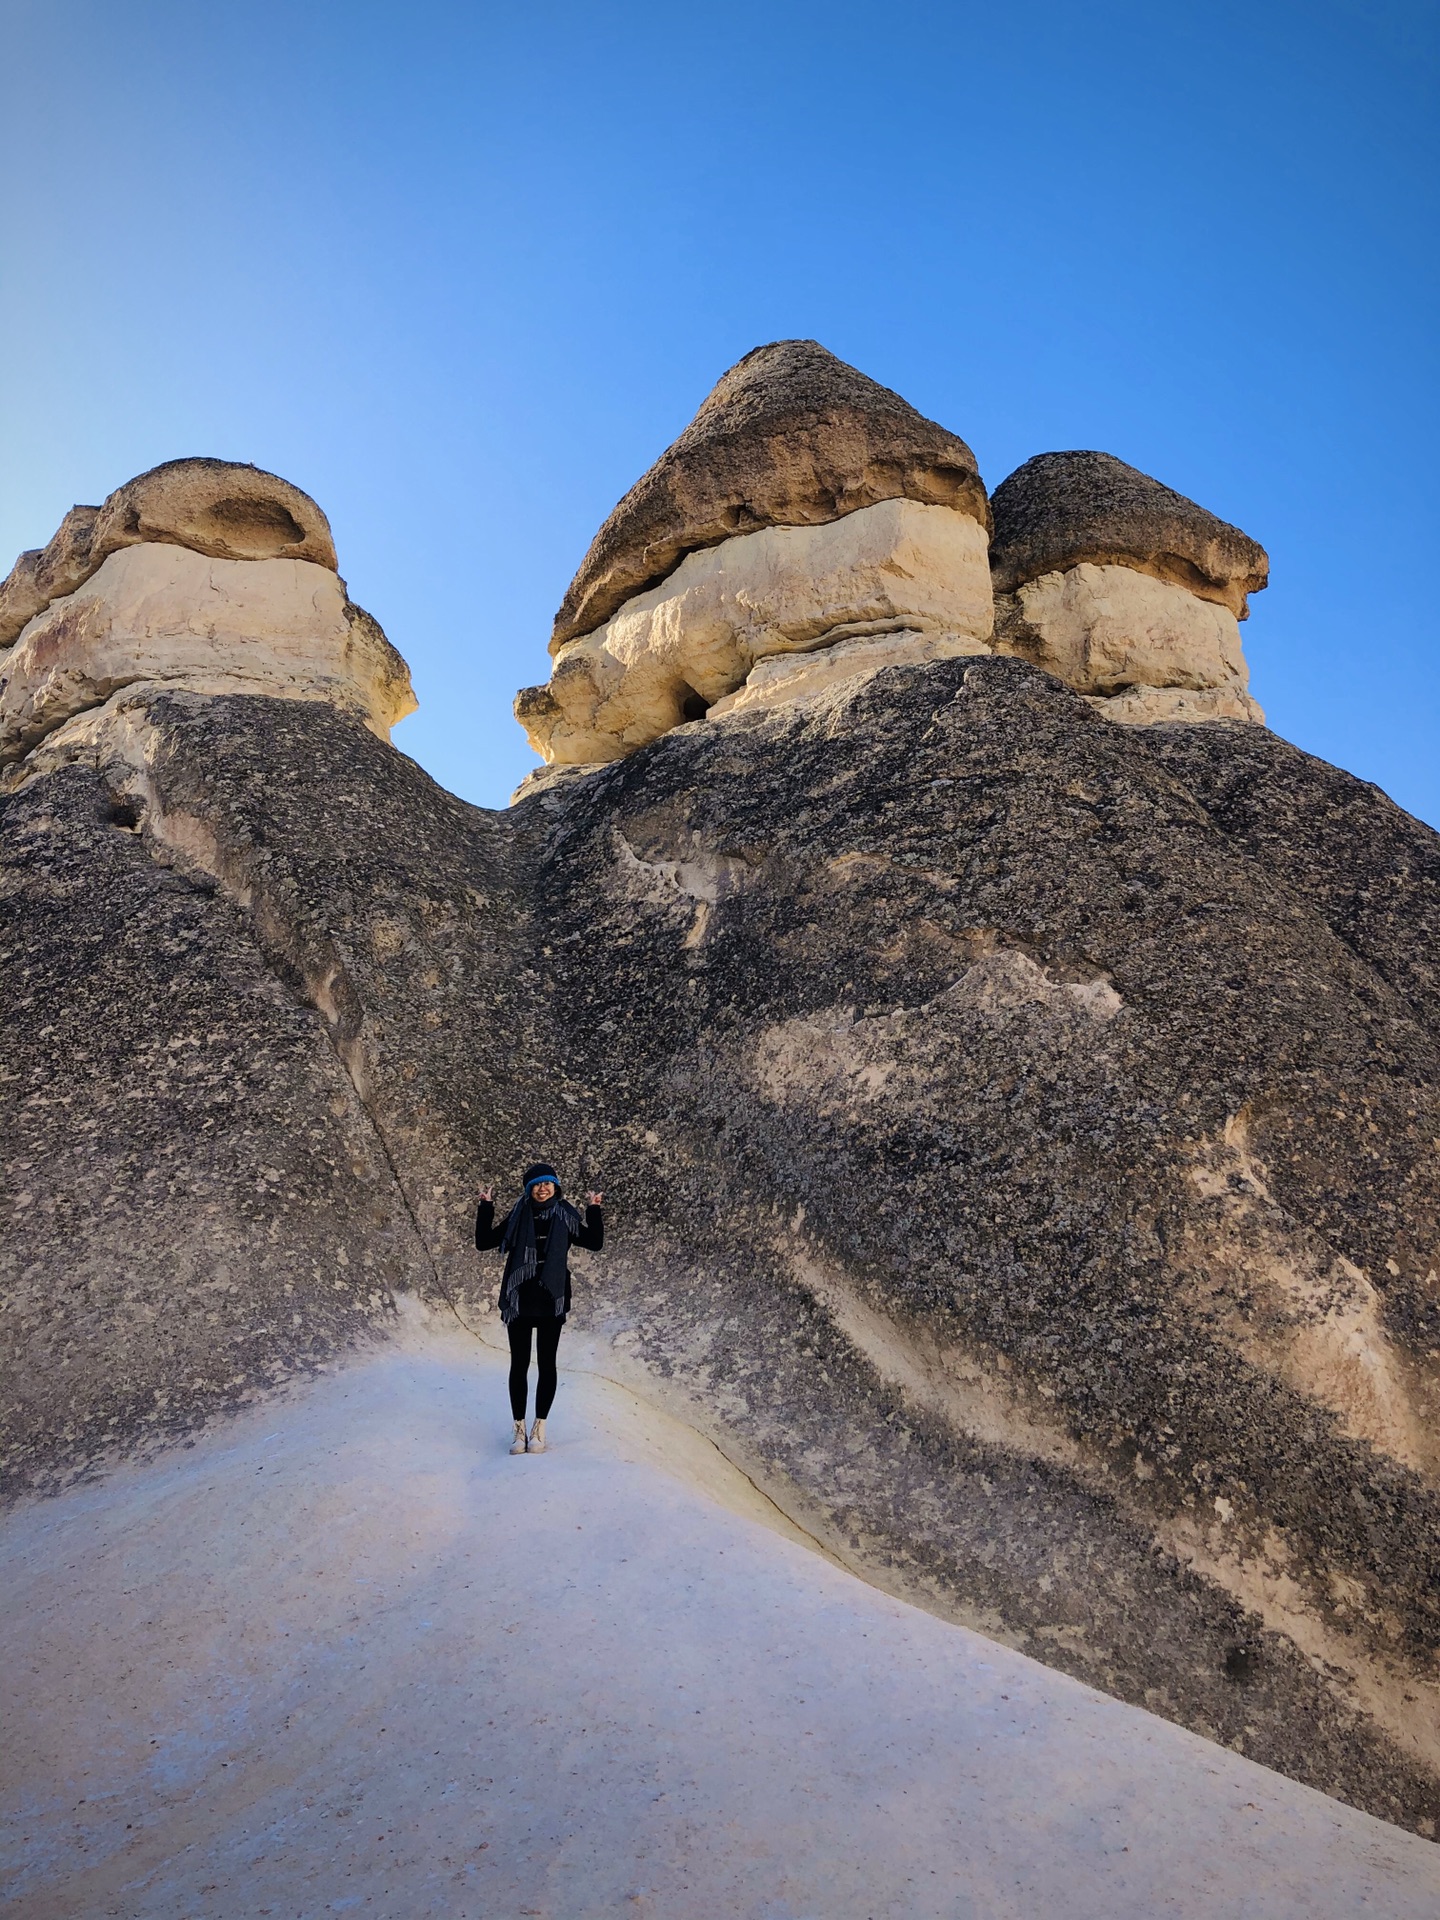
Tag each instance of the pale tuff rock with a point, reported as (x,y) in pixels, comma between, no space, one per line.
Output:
(1061,509)
(790,436)
(890,582)
(1129,592)
(160,616)
(712,573)
(1158,706)
(215,507)
(1126,637)
(794,678)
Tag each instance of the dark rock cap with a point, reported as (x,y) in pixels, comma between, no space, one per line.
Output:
(1060,509)
(221,508)
(790,436)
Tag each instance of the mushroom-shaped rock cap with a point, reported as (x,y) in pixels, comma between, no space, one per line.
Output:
(1061,509)
(789,437)
(220,508)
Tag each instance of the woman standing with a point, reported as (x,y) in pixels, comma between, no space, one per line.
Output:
(536,1239)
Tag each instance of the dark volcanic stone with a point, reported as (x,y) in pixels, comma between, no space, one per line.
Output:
(1020,1134)
(1063,508)
(790,436)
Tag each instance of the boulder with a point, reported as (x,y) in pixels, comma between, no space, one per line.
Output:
(691,645)
(1060,509)
(790,436)
(216,507)
(1127,591)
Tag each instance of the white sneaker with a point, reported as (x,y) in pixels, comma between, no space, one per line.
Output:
(537,1437)
(517,1445)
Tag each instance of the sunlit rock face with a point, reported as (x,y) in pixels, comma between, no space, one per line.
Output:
(1126,590)
(215,507)
(805,507)
(810,528)
(896,581)
(210,579)
(789,437)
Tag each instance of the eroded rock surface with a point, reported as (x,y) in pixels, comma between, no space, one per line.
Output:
(215,507)
(1061,509)
(789,437)
(1018,1128)
(200,576)
(1128,591)
(693,643)
(1137,645)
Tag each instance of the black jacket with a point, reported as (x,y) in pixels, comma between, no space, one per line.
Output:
(534,1301)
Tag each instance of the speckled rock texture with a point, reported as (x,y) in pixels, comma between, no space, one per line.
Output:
(1018,1132)
(1060,509)
(789,437)
(220,508)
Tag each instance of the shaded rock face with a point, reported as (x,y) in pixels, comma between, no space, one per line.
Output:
(1019,1131)
(789,437)
(199,575)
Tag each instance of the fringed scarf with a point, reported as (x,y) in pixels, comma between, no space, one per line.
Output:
(517,1243)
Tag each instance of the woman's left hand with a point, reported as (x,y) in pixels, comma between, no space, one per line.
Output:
(594,1199)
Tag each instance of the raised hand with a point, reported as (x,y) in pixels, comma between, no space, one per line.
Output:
(594,1199)
(487,1193)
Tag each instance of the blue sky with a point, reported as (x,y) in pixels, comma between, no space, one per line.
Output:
(462,271)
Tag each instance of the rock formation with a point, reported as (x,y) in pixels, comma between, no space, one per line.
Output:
(199,574)
(805,508)
(1020,1127)
(869,551)
(1125,589)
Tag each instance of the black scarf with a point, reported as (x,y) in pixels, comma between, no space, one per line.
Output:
(517,1243)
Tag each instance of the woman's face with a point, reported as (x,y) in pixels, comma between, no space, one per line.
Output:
(542,1191)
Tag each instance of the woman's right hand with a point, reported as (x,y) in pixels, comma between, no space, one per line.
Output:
(487,1194)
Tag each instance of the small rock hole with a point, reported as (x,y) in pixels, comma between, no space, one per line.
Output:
(1240,1664)
(125,814)
(694,706)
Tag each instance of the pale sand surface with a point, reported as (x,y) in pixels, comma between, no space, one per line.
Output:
(345,1656)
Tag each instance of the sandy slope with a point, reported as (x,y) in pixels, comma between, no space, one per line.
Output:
(344,1655)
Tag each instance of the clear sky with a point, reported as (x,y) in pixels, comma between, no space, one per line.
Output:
(461,272)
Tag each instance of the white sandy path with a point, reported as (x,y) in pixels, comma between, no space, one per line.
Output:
(345,1656)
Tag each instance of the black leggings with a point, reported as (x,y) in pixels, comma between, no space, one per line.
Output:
(547,1339)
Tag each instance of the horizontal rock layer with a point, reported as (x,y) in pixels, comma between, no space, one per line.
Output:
(159,615)
(1113,631)
(215,507)
(670,654)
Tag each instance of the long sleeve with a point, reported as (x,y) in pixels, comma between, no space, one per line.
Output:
(487,1233)
(592,1235)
